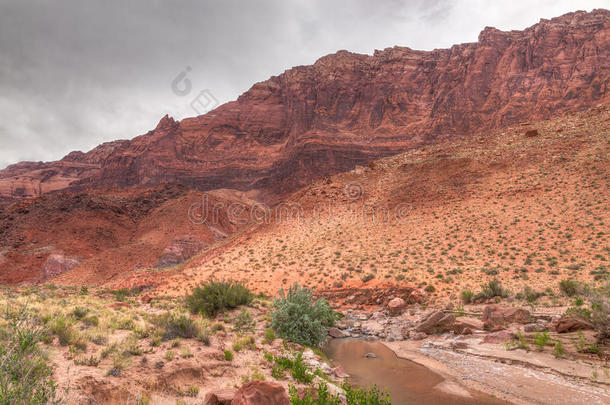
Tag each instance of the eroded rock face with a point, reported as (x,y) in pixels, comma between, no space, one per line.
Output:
(180,250)
(57,264)
(261,393)
(348,109)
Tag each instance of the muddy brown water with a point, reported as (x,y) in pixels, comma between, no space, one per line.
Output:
(407,382)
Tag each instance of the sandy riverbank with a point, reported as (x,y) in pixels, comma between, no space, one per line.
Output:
(518,377)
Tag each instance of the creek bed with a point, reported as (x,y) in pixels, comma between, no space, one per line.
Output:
(407,382)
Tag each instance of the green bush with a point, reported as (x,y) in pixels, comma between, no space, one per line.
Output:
(228,355)
(300,318)
(466,296)
(491,290)
(25,377)
(568,287)
(216,296)
(353,396)
(298,369)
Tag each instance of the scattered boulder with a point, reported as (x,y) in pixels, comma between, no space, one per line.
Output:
(57,264)
(418,336)
(261,393)
(466,325)
(336,333)
(396,306)
(437,322)
(370,355)
(339,372)
(531,133)
(222,396)
(496,317)
(500,337)
(180,250)
(395,334)
(372,327)
(535,327)
(567,324)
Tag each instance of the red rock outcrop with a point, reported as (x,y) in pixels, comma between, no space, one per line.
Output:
(347,109)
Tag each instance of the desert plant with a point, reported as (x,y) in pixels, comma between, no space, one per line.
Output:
(541,339)
(25,377)
(491,290)
(568,287)
(353,396)
(300,318)
(228,355)
(466,296)
(243,322)
(216,296)
(177,325)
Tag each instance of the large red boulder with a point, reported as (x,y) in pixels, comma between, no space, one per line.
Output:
(396,306)
(496,317)
(436,322)
(261,393)
(567,324)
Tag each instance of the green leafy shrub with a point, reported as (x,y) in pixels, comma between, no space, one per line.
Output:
(300,318)
(298,369)
(25,377)
(216,296)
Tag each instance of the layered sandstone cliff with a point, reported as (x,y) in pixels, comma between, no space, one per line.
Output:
(347,109)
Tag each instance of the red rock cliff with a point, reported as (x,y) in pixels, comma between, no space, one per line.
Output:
(347,109)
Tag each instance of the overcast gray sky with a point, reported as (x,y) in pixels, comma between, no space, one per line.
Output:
(75,73)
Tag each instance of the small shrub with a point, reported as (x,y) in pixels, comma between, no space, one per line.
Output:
(243,322)
(169,355)
(490,290)
(298,369)
(430,288)
(247,342)
(80,312)
(25,377)
(177,325)
(466,296)
(216,296)
(541,339)
(269,336)
(558,350)
(192,391)
(298,317)
(228,355)
(568,287)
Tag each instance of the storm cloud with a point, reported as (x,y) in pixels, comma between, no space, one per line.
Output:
(77,73)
